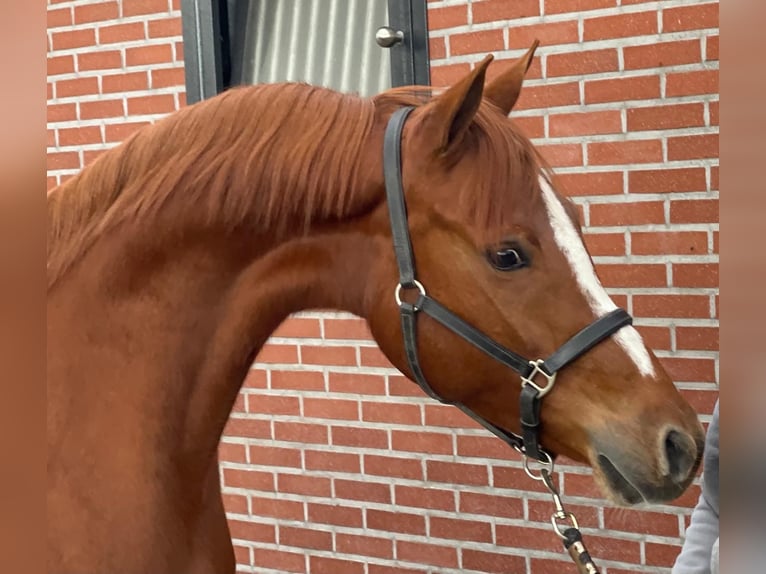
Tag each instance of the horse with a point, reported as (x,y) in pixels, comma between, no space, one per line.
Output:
(174,256)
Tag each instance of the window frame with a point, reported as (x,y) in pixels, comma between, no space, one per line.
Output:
(210,55)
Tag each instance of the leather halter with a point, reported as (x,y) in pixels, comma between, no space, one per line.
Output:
(531,392)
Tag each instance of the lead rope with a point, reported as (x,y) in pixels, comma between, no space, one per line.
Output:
(571,535)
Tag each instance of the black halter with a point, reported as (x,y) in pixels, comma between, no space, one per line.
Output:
(531,392)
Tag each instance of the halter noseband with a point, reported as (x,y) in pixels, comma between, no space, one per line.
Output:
(541,370)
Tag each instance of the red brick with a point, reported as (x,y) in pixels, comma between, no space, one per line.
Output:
(364,545)
(101,109)
(540,511)
(322,565)
(242,553)
(494,10)
(492,562)
(57,65)
(326,355)
(693,147)
(305,485)
(391,413)
(295,327)
(665,242)
(712,48)
(276,508)
(549,34)
(456,529)
(609,548)
(456,473)
(51,137)
(702,402)
(332,461)
(634,275)
(696,17)
(125,82)
(393,467)
(667,180)
(605,243)
(714,113)
(279,560)
(682,306)
(255,379)
(692,83)
(476,42)
(63,160)
(620,26)
(338,409)
(527,537)
(666,117)
(165,27)
(52,182)
(235,503)
(658,554)
(543,97)
(356,383)
(298,380)
(515,478)
(637,213)
(270,353)
(362,490)
(482,447)
(144,55)
(490,505)
(561,6)
(274,456)
(582,63)
(304,538)
(69,39)
(585,123)
(655,337)
(121,33)
(359,437)
(301,432)
(427,554)
(96,12)
(562,155)
(335,514)
(694,211)
(61,112)
(250,479)
(356,329)
(103,60)
(448,17)
(420,441)
(252,531)
(140,7)
(76,87)
(379,569)
(695,275)
(247,428)
(448,416)
(697,338)
(396,522)
(624,152)
(437,49)
(657,55)
(641,522)
(590,183)
(622,89)
(427,497)
(532,127)
(580,485)
(276,405)
(59,18)
(232,452)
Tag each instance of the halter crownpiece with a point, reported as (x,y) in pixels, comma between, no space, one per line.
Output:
(537,376)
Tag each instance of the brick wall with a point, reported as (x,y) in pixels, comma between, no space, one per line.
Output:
(332,461)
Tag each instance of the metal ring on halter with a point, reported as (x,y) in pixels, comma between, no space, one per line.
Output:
(563,516)
(529,379)
(544,464)
(398,293)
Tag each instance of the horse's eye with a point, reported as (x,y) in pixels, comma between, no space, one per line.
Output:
(507,258)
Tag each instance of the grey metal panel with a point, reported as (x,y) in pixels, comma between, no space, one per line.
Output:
(409,58)
(324,42)
(202,49)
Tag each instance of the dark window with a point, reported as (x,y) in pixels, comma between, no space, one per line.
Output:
(325,42)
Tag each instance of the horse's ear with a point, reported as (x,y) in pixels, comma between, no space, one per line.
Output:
(448,115)
(504,90)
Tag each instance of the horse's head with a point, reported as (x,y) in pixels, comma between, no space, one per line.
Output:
(496,245)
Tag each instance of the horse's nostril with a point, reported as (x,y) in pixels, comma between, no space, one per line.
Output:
(681,455)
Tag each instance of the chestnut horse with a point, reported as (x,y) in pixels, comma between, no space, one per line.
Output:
(174,256)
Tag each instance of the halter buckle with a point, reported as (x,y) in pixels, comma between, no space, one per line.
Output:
(415,284)
(529,380)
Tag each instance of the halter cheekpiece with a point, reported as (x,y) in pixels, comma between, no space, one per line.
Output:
(537,376)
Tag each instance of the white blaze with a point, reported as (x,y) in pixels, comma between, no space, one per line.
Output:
(573,248)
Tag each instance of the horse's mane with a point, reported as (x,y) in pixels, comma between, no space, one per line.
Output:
(270,179)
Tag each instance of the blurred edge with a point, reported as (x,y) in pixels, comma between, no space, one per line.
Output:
(22,285)
(743,273)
